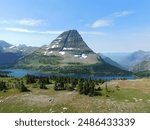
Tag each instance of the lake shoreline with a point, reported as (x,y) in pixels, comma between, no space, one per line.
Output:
(19,73)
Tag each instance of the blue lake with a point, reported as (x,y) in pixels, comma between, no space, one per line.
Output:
(18,73)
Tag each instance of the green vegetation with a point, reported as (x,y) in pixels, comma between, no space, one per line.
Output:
(37,61)
(57,65)
(62,94)
(3,86)
(83,86)
(143,73)
(22,87)
(3,74)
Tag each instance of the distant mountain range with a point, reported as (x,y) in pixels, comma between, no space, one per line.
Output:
(68,54)
(10,54)
(143,62)
(110,61)
(134,58)
(117,56)
(136,61)
(4,44)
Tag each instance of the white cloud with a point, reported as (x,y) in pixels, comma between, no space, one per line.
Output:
(109,20)
(92,33)
(26,22)
(31,22)
(121,14)
(51,32)
(23,30)
(101,23)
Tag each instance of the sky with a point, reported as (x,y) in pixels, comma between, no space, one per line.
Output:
(105,25)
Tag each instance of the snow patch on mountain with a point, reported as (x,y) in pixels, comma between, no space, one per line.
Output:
(45,52)
(12,47)
(83,56)
(62,52)
(76,55)
(68,48)
(59,38)
(55,46)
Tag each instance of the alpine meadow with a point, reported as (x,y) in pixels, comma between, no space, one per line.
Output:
(74,56)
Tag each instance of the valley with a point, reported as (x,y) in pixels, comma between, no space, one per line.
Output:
(68,76)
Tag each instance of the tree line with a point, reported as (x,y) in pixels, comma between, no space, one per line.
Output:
(83,86)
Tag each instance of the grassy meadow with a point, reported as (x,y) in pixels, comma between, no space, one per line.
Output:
(119,96)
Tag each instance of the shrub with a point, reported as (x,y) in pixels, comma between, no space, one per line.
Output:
(43,86)
(22,87)
(59,86)
(3,86)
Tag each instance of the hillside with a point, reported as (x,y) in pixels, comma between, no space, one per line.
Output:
(134,58)
(110,61)
(142,66)
(4,44)
(8,59)
(10,54)
(68,54)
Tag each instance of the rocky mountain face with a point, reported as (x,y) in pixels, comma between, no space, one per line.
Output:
(72,48)
(68,53)
(71,42)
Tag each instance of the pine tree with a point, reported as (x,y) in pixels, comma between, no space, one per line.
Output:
(59,85)
(42,86)
(80,87)
(22,87)
(92,89)
(3,86)
(85,88)
(30,79)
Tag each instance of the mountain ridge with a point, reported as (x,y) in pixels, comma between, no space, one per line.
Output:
(10,54)
(110,61)
(68,53)
(4,44)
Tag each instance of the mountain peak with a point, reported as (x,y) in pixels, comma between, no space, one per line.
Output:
(70,41)
(73,31)
(4,44)
(67,54)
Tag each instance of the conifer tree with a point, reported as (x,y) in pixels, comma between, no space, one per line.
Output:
(3,86)
(22,87)
(80,87)
(92,89)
